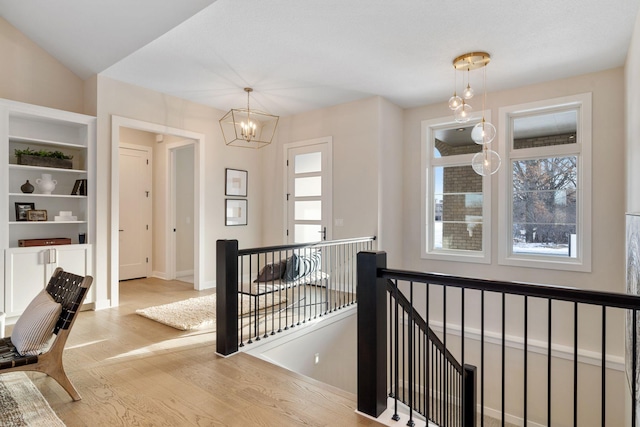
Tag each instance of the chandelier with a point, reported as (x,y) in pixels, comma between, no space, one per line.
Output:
(248,128)
(486,162)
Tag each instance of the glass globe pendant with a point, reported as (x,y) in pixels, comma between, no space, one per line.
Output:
(483,132)
(487,162)
(463,113)
(468,92)
(455,101)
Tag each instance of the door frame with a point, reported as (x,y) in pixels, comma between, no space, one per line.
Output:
(328,140)
(199,155)
(170,185)
(149,246)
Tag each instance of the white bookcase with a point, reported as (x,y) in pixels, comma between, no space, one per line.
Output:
(26,270)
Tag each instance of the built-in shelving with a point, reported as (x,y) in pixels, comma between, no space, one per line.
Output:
(25,126)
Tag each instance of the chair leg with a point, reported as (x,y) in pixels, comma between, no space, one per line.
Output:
(58,374)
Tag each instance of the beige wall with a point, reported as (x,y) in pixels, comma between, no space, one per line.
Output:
(116,98)
(29,74)
(357,129)
(607,232)
(608,183)
(632,102)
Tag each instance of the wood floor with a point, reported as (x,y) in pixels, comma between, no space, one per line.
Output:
(133,371)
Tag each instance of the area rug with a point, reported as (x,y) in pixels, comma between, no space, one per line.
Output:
(200,312)
(21,403)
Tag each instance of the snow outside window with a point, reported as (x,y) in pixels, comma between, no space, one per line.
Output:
(546,184)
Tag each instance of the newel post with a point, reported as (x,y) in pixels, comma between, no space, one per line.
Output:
(469,399)
(226,297)
(372,334)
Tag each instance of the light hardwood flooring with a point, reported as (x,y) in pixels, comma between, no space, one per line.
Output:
(134,371)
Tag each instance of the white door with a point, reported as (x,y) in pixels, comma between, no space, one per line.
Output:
(309,191)
(135,212)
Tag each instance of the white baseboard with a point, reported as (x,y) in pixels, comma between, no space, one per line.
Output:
(534,346)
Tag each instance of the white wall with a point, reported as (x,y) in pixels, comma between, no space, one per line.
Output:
(116,98)
(632,103)
(632,137)
(29,74)
(608,185)
(607,227)
(363,131)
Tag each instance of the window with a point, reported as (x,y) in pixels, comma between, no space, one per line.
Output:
(546,184)
(456,200)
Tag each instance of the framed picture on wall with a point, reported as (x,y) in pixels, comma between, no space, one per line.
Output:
(235,212)
(236,182)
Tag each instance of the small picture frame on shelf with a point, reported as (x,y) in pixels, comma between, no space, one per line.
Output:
(22,209)
(236,182)
(79,188)
(36,215)
(235,212)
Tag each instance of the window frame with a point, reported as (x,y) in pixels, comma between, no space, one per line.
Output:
(427,188)
(581,103)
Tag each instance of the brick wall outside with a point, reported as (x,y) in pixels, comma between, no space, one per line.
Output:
(460,179)
(463,180)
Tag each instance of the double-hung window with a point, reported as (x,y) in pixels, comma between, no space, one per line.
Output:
(456,201)
(545,184)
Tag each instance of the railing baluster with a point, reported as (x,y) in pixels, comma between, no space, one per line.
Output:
(526,356)
(410,423)
(482,358)
(396,386)
(502,387)
(444,340)
(427,400)
(549,363)
(604,363)
(634,366)
(575,364)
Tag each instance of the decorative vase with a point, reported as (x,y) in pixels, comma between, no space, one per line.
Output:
(27,187)
(45,184)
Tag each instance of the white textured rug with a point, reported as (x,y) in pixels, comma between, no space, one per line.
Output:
(200,312)
(21,403)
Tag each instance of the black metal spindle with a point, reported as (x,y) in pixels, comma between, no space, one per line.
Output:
(410,351)
(604,363)
(549,363)
(634,367)
(444,338)
(482,358)
(396,344)
(575,364)
(427,406)
(502,387)
(526,356)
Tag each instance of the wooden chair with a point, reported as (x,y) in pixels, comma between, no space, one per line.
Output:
(69,290)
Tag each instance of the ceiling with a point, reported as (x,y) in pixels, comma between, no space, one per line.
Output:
(303,55)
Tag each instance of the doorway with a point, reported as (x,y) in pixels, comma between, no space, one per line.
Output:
(308,190)
(117,123)
(181,210)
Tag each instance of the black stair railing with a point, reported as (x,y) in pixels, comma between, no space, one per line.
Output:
(559,329)
(422,372)
(255,299)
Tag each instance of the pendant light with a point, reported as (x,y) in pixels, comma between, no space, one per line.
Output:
(248,128)
(486,162)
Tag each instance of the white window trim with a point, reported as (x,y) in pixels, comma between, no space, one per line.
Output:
(427,188)
(582,149)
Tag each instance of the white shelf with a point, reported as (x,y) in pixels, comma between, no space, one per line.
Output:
(32,223)
(27,140)
(45,169)
(53,196)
